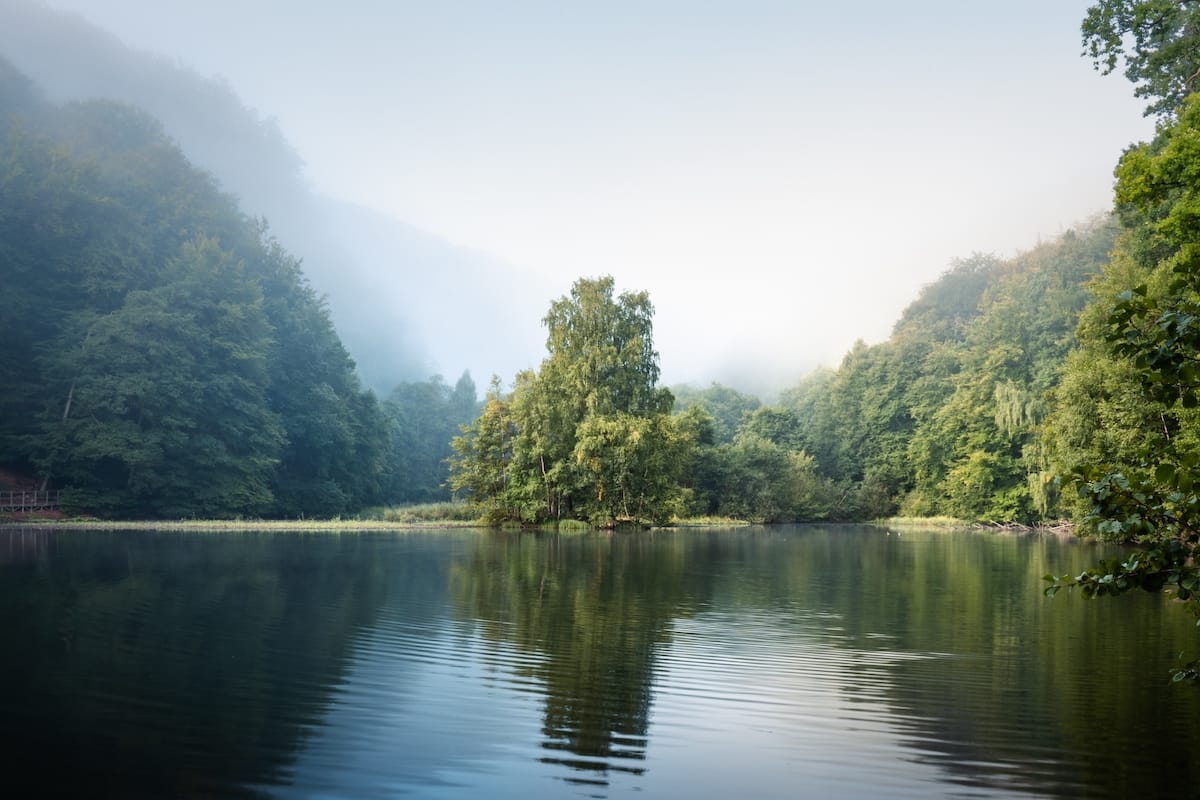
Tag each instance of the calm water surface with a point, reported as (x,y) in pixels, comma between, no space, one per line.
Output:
(837,662)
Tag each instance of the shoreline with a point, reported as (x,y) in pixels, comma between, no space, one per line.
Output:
(263,525)
(366,525)
(312,525)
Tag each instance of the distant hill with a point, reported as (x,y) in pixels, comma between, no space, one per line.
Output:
(406,303)
(949,415)
(163,357)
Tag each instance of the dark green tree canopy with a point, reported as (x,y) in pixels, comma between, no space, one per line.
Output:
(423,419)
(1159,41)
(727,406)
(589,435)
(163,356)
(601,350)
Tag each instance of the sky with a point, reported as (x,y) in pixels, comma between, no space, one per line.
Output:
(782,177)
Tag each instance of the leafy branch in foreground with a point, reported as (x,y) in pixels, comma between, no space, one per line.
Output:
(1149,493)
(1167,566)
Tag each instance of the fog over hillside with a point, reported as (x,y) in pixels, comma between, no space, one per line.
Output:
(407,303)
(782,178)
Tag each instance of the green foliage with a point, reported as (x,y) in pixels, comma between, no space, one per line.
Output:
(423,419)
(779,426)
(479,467)
(948,417)
(763,475)
(587,437)
(857,430)
(601,352)
(1158,40)
(631,463)
(1166,566)
(1127,429)
(752,464)
(765,482)
(163,399)
(333,460)
(429,512)
(1142,486)
(163,356)
(946,306)
(727,407)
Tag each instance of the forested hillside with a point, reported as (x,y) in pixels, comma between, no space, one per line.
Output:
(163,356)
(377,273)
(950,416)
(947,417)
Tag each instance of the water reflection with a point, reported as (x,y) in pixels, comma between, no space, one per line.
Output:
(837,662)
(598,609)
(161,665)
(937,648)
(24,544)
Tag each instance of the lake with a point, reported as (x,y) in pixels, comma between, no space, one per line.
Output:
(795,661)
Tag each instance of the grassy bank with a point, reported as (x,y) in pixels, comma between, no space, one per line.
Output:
(949,523)
(924,523)
(707,522)
(430,516)
(328,525)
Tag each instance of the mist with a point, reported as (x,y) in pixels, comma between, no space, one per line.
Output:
(444,176)
(406,303)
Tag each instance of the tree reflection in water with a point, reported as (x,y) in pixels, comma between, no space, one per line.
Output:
(591,613)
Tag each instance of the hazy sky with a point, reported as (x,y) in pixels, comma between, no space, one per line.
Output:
(781,176)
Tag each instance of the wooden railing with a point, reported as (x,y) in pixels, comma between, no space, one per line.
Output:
(29,501)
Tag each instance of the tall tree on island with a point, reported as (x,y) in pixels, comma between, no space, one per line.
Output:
(591,433)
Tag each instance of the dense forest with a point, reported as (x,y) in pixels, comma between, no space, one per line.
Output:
(163,355)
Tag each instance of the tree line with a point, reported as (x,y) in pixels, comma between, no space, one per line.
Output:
(950,416)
